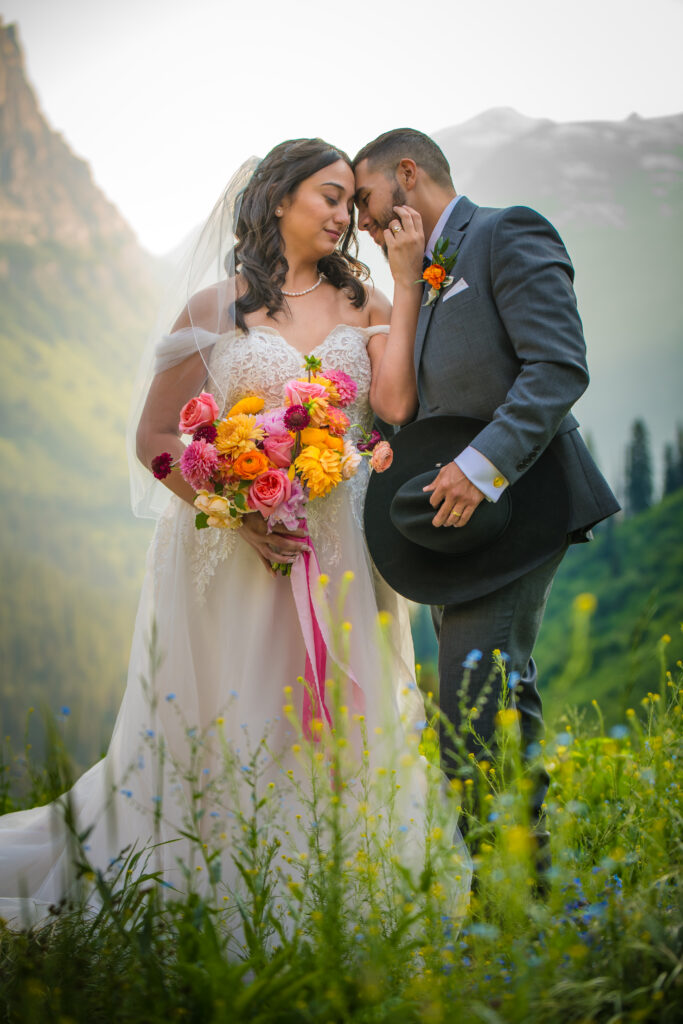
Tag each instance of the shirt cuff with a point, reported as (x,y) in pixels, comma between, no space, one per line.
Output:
(482,473)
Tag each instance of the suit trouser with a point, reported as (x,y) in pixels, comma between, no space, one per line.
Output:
(508,619)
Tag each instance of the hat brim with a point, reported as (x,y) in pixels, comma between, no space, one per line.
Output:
(536,530)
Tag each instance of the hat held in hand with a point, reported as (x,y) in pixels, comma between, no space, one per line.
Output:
(453,565)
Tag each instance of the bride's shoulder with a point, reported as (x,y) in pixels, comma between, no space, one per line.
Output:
(377,306)
(209,309)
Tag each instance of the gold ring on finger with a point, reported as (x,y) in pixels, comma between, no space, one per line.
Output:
(396,228)
(456,515)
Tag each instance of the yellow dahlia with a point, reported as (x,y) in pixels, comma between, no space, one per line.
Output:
(250,405)
(320,469)
(238,434)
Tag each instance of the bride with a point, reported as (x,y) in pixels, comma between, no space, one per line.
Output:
(210,719)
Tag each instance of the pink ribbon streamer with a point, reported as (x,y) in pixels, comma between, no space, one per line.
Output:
(314,705)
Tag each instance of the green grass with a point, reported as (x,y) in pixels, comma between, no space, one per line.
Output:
(370,942)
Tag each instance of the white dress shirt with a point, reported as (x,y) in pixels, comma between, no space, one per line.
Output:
(477,468)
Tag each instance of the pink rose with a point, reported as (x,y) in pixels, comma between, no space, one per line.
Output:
(278,448)
(198,412)
(298,392)
(268,491)
(382,456)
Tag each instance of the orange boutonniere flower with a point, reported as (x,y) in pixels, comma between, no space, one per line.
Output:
(437,274)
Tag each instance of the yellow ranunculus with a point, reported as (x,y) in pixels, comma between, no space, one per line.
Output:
(320,469)
(321,439)
(250,405)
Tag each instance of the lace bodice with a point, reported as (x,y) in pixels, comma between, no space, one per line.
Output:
(260,362)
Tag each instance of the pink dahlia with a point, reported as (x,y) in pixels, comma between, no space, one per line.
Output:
(337,421)
(197,464)
(345,385)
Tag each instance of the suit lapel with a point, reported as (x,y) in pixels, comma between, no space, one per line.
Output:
(454,231)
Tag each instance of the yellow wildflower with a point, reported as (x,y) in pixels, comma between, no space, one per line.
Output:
(238,435)
(586,603)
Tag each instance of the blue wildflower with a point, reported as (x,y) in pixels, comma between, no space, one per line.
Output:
(618,732)
(65,711)
(170,696)
(472,659)
(513,679)
(127,792)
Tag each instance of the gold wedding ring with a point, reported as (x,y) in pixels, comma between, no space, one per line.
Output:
(396,228)
(456,515)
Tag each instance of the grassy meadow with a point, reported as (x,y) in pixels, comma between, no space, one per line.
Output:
(351,932)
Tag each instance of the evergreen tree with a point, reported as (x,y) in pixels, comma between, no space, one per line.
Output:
(673,464)
(638,470)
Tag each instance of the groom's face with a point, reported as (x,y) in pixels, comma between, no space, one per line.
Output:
(376,196)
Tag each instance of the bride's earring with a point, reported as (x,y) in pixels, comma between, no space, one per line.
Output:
(278,211)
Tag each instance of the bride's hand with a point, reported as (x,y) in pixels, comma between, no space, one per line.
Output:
(405,243)
(281,545)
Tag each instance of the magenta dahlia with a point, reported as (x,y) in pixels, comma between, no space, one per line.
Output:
(197,464)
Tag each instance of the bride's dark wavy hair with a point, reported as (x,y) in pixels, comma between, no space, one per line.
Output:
(259,252)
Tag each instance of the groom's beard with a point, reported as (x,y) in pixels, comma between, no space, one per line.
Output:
(398,198)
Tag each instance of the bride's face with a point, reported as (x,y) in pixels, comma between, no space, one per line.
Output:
(317,214)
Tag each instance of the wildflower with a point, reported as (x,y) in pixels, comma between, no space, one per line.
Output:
(585,603)
(162,465)
(65,711)
(472,659)
(513,679)
(170,696)
(197,463)
(507,718)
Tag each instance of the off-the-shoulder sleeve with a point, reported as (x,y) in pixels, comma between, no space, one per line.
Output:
(173,348)
(375,329)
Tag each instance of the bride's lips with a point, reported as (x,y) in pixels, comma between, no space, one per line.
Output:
(335,235)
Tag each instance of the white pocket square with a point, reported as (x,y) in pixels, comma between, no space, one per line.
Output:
(459,286)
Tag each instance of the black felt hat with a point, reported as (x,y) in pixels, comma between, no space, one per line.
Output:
(453,565)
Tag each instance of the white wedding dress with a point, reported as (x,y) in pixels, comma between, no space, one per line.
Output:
(226,642)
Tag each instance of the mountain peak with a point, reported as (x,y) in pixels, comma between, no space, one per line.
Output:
(47,193)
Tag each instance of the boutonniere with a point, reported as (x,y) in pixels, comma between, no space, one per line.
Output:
(437,274)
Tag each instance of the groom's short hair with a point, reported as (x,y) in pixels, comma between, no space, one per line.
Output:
(387,150)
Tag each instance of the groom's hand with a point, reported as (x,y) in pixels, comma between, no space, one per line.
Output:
(454,495)
(405,242)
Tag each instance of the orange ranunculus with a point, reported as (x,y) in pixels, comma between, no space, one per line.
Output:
(248,465)
(434,275)
(321,438)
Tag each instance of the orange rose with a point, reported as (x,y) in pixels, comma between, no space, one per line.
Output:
(248,465)
(434,276)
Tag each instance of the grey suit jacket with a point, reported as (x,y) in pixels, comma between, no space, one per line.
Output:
(509,349)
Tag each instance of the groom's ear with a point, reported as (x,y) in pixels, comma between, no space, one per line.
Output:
(406,173)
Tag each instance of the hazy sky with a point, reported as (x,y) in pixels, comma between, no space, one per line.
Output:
(165,97)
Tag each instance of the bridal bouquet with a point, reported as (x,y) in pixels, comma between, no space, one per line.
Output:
(272,462)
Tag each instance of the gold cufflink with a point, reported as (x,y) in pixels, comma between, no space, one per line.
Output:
(498,481)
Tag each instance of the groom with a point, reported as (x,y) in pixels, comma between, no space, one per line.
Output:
(502,343)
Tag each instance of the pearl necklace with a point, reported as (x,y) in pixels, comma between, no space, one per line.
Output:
(294,295)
